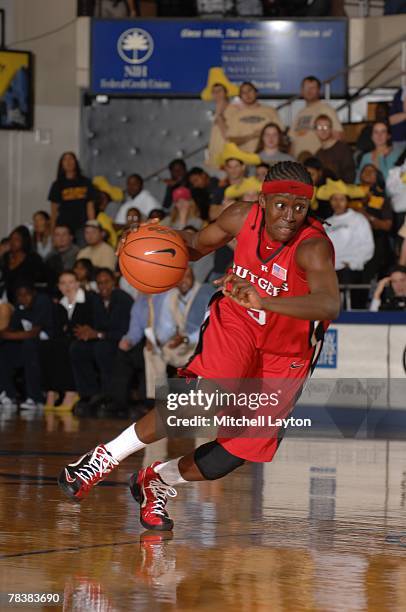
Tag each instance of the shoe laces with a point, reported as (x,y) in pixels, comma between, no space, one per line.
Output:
(101,463)
(160,491)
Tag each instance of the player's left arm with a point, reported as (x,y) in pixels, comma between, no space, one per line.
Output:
(322,303)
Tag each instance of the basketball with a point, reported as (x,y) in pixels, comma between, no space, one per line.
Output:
(153,259)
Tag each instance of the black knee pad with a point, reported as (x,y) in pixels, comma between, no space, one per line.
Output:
(214,461)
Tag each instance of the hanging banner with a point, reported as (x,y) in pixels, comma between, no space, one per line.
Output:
(16,96)
(168,57)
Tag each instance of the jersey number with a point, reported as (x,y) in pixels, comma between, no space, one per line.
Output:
(259,316)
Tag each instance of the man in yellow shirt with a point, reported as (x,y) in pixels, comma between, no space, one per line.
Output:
(243,123)
(302,133)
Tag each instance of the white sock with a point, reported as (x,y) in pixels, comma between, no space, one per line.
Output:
(125,444)
(169,472)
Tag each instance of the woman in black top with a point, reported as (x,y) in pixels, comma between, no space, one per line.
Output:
(72,197)
(21,264)
(74,308)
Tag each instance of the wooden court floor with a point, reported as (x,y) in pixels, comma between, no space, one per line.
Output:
(322,528)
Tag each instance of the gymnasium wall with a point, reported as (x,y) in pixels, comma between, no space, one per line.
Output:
(362,364)
(126,135)
(28,159)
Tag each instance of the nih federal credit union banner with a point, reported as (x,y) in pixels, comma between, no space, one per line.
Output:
(172,57)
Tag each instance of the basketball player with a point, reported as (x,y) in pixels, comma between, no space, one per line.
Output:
(267,322)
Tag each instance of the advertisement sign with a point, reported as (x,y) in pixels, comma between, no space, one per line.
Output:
(328,355)
(354,351)
(172,57)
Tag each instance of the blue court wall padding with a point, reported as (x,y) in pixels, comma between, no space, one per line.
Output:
(362,365)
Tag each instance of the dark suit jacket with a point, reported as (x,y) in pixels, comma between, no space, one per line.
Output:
(113,320)
(83,314)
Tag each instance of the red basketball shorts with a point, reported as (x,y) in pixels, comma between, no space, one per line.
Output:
(227,352)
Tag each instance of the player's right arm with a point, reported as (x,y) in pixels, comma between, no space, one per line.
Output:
(216,234)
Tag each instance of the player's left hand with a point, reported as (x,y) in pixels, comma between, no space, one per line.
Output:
(240,290)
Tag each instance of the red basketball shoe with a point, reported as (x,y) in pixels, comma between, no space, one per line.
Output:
(76,479)
(150,491)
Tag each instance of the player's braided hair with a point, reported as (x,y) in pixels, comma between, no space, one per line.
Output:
(289,170)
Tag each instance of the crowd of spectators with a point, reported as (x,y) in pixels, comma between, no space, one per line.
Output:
(71,328)
(119,9)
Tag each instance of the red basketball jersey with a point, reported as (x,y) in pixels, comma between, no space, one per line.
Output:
(276,275)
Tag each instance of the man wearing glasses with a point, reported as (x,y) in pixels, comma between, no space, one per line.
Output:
(302,134)
(335,155)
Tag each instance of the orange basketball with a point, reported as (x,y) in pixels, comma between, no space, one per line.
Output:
(153,259)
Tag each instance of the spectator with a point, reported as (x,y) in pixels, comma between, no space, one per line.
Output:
(261,171)
(178,172)
(130,289)
(364,142)
(225,8)
(402,255)
(156,213)
(115,195)
(396,189)
(176,8)
(129,359)
(377,210)
(173,337)
(184,210)
(102,201)
(350,234)
(304,8)
(84,272)
(317,171)
(302,134)
(42,237)
(94,349)
(383,155)
(137,197)
(206,190)
(134,217)
(72,197)
(234,161)
(319,176)
(21,264)
(219,89)
(116,9)
(203,267)
(239,119)
(6,311)
(19,346)
(247,191)
(269,145)
(390,292)
(335,155)
(64,253)
(74,308)
(100,254)
(397,119)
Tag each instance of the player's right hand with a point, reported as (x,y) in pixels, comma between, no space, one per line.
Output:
(133,227)
(240,290)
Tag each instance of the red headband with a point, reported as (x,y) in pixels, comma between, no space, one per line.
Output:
(286,186)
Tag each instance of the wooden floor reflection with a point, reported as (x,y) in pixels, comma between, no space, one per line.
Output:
(320,529)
